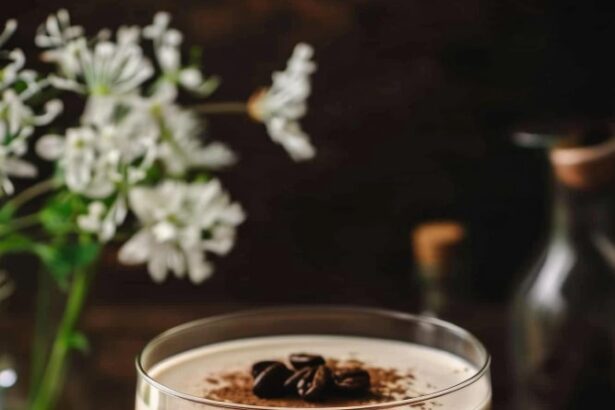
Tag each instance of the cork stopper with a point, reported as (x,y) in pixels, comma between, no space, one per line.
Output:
(584,167)
(435,242)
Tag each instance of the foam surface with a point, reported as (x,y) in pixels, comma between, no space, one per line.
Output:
(434,370)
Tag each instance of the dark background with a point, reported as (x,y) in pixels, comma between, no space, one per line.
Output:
(413,107)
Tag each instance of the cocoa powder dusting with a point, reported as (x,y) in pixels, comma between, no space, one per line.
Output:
(386,385)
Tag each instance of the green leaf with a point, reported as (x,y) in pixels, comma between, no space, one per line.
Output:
(86,253)
(6,213)
(58,215)
(59,268)
(78,341)
(17,243)
(62,259)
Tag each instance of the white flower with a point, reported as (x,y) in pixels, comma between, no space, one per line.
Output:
(13,70)
(17,122)
(9,28)
(62,41)
(92,221)
(79,158)
(114,68)
(12,166)
(67,60)
(104,151)
(181,148)
(181,222)
(150,130)
(102,68)
(115,144)
(290,135)
(122,137)
(282,105)
(167,43)
(214,156)
(10,72)
(98,161)
(103,221)
(57,31)
(17,119)
(126,125)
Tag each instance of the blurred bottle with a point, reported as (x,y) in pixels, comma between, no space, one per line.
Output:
(563,316)
(435,245)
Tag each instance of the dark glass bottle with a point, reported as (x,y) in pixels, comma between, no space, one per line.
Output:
(564,313)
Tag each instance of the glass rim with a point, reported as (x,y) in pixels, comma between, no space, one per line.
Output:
(457,330)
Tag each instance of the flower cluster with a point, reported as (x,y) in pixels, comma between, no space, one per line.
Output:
(135,165)
(137,151)
(133,136)
(17,118)
(174,216)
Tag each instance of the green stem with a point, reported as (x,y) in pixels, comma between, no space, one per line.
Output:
(41,331)
(51,382)
(21,222)
(231,107)
(32,192)
(25,221)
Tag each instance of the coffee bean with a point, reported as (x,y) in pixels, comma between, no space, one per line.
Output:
(291,383)
(352,380)
(260,366)
(301,360)
(270,382)
(312,387)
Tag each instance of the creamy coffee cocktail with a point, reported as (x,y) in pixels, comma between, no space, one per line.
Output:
(356,371)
